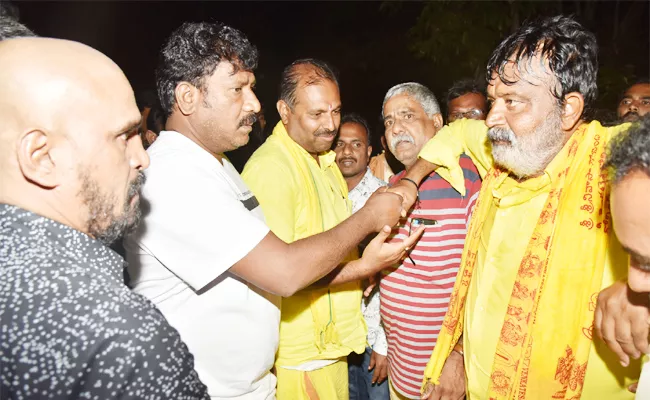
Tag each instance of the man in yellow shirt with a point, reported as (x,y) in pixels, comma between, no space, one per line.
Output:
(540,246)
(297,182)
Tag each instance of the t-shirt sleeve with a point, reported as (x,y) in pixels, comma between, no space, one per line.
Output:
(444,149)
(195,225)
(274,188)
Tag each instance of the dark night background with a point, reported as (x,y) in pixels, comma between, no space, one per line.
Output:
(373,45)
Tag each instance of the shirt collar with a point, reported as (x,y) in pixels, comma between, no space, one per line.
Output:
(35,230)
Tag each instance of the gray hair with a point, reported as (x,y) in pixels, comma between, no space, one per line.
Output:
(630,151)
(418,92)
(10,28)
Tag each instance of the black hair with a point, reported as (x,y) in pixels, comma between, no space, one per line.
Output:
(630,151)
(146,99)
(156,119)
(357,119)
(571,51)
(641,81)
(463,87)
(291,76)
(10,28)
(193,52)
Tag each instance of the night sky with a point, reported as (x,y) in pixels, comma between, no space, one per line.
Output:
(367,42)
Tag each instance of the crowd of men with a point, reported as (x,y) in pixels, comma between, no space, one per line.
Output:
(509,258)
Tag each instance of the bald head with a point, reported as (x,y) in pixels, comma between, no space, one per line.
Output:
(68,140)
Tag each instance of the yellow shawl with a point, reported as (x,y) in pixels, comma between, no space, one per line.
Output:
(336,325)
(543,353)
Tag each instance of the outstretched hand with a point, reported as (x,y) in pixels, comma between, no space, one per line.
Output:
(379,254)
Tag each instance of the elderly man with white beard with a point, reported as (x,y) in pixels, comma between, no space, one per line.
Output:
(415,294)
(540,246)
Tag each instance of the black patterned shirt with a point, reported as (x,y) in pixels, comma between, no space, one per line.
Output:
(71,329)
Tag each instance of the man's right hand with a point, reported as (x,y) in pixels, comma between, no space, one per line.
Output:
(452,381)
(384,207)
(379,254)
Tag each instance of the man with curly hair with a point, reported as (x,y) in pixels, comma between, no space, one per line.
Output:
(540,246)
(204,254)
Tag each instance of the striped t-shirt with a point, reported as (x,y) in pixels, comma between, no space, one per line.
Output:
(415,297)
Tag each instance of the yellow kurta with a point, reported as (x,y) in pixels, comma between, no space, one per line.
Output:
(301,198)
(513,214)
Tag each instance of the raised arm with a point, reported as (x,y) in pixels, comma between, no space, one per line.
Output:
(441,154)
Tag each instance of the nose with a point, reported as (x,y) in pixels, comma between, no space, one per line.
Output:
(347,149)
(397,127)
(496,116)
(139,159)
(252,104)
(329,123)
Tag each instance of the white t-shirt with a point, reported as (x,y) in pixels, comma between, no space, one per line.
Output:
(199,219)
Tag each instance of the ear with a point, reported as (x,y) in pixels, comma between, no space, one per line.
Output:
(150,136)
(437,121)
(283,110)
(187,97)
(369,151)
(572,108)
(35,159)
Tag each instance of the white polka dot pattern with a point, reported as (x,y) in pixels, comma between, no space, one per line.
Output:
(71,329)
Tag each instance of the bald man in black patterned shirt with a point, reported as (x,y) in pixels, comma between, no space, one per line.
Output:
(70,174)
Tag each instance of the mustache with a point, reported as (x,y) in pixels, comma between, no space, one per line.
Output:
(631,113)
(395,140)
(347,158)
(249,119)
(136,185)
(324,132)
(501,135)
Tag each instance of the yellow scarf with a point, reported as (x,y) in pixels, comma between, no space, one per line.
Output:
(543,306)
(327,325)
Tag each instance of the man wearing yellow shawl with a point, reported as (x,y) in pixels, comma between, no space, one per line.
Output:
(297,182)
(540,246)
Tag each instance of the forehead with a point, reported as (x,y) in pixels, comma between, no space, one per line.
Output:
(401,103)
(638,90)
(224,74)
(324,94)
(526,76)
(353,131)
(109,103)
(468,100)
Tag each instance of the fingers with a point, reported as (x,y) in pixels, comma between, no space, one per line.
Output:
(382,374)
(640,331)
(383,233)
(428,391)
(369,290)
(375,376)
(609,336)
(410,241)
(623,335)
(372,362)
(632,387)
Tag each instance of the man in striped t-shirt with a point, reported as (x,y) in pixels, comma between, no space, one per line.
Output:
(415,294)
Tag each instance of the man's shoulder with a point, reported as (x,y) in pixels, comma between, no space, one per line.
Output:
(271,153)
(373,183)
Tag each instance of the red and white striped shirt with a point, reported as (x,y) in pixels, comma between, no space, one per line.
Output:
(414,298)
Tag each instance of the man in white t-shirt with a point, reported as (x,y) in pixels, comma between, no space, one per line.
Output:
(203,253)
